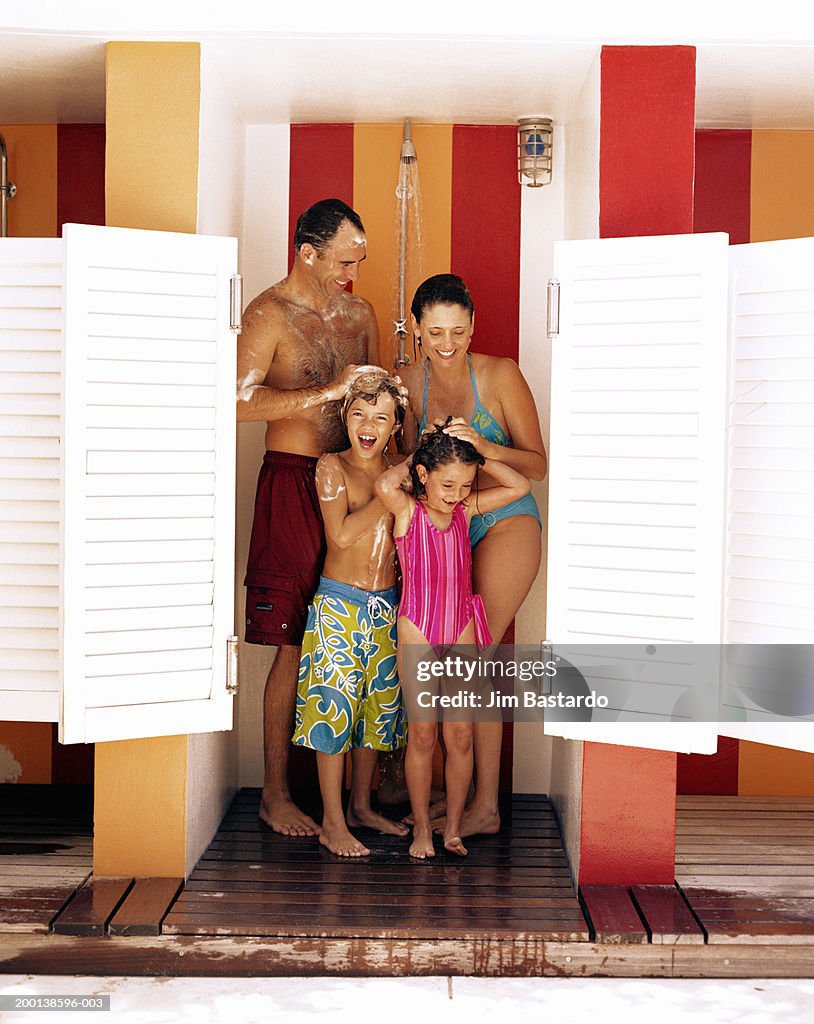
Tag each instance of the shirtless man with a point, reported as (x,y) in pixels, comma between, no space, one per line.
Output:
(304,341)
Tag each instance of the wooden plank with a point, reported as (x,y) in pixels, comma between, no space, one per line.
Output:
(516,956)
(669,919)
(145,906)
(93,906)
(612,914)
(30,914)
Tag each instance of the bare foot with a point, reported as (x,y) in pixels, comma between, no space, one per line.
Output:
(283,816)
(437,810)
(421,845)
(368,818)
(453,844)
(339,841)
(474,822)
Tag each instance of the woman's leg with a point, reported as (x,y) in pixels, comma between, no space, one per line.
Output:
(505,565)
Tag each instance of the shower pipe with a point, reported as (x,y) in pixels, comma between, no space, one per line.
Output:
(407,156)
(7,189)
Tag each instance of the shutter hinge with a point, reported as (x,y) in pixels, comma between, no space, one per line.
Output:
(231,665)
(236,303)
(552,320)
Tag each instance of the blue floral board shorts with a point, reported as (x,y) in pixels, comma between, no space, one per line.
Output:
(348,692)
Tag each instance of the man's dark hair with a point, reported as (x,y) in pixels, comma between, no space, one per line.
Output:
(441,290)
(319,223)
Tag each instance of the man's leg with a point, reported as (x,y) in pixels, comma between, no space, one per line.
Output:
(277,809)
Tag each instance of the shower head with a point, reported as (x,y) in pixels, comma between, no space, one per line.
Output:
(408,153)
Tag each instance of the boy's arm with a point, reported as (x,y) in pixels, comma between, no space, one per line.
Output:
(511,486)
(342,527)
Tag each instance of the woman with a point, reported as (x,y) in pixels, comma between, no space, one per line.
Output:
(495,411)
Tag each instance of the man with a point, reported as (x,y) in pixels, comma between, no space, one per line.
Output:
(304,340)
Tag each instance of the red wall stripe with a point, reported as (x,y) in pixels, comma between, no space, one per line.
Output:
(710,774)
(723,182)
(647,145)
(320,167)
(485,232)
(647,140)
(80,174)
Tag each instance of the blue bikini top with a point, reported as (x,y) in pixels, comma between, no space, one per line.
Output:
(482,420)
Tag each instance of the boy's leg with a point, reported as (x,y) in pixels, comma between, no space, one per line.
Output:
(360,813)
(334,834)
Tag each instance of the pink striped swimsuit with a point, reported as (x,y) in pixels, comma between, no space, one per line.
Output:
(437,589)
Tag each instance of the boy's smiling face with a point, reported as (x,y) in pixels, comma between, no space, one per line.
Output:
(370,426)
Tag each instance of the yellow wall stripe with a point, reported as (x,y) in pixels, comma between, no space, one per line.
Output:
(152,117)
(774,771)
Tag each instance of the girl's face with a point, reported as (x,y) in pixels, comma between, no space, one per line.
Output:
(445,332)
(447,485)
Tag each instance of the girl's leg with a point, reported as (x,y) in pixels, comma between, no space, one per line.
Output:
(360,813)
(421,741)
(334,834)
(505,565)
(458,738)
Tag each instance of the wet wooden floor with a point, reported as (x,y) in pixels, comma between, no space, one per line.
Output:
(253,882)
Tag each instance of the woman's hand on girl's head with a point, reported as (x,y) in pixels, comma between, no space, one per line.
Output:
(458,427)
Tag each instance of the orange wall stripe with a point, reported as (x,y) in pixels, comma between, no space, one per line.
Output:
(781,191)
(377,149)
(152,118)
(25,751)
(32,166)
(764,770)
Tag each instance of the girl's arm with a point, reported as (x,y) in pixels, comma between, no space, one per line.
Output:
(396,500)
(342,527)
(511,485)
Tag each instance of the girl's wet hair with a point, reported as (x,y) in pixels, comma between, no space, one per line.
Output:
(368,387)
(436,449)
(319,223)
(441,290)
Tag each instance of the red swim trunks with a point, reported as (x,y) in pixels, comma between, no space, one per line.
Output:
(286,551)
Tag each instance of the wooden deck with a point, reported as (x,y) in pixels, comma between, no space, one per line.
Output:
(252,882)
(46,852)
(746,865)
(261,904)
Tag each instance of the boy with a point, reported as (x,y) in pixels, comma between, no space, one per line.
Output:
(348,696)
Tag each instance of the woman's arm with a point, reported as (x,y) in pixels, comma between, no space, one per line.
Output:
(511,485)
(342,527)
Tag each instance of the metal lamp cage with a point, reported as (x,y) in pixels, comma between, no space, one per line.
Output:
(534,140)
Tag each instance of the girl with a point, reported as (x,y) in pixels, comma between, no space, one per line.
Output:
(438,608)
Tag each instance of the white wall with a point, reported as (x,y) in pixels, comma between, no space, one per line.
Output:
(263,262)
(212,775)
(582,160)
(542,222)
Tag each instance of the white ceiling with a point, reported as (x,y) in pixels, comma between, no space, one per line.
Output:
(749,74)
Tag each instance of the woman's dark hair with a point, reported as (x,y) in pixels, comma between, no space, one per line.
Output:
(319,223)
(436,449)
(441,290)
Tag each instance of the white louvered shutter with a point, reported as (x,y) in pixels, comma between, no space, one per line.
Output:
(149,483)
(637,478)
(770,537)
(30,390)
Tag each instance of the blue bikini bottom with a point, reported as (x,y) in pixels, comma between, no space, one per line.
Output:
(525,506)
